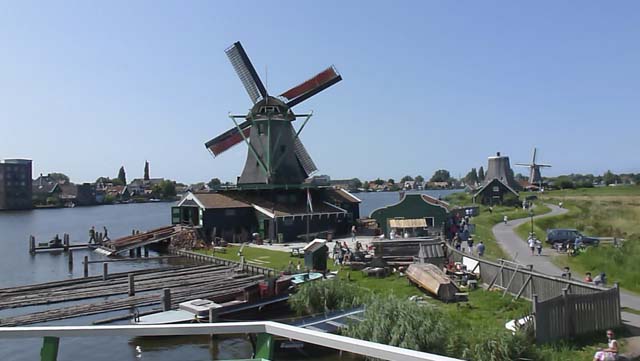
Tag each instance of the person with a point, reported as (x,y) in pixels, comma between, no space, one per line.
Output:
(560,204)
(600,279)
(105,236)
(480,249)
(353,233)
(298,266)
(490,209)
(470,244)
(505,219)
(392,234)
(588,278)
(290,266)
(539,247)
(92,234)
(566,273)
(458,243)
(611,352)
(532,243)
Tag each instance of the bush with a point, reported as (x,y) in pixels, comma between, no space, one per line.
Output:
(317,297)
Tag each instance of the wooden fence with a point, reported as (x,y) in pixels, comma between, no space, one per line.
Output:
(245,267)
(561,307)
(522,280)
(570,315)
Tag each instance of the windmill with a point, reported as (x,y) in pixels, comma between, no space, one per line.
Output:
(275,156)
(534,170)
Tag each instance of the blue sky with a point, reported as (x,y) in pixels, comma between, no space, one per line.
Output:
(86,86)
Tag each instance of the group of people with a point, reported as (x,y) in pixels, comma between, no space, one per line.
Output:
(98,237)
(534,244)
(343,254)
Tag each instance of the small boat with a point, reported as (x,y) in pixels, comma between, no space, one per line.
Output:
(432,279)
(300,278)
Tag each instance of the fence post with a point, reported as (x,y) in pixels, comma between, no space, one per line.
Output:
(568,313)
(166,299)
(85,266)
(534,314)
(616,285)
(32,245)
(105,271)
(132,289)
(49,350)
(70,258)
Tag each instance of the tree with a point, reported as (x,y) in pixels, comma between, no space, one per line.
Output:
(59,177)
(146,170)
(609,178)
(441,175)
(481,174)
(378,182)
(471,177)
(419,179)
(391,181)
(214,183)
(122,176)
(366,185)
(406,178)
(357,183)
(165,189)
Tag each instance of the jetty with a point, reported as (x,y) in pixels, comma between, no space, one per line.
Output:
(137,241)
(125,291)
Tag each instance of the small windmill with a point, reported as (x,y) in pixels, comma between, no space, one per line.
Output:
(534,170)
(276,155)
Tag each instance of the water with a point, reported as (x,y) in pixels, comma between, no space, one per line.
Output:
(18,267)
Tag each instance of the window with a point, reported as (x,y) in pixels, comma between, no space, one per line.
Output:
(229,212)
(496,189)
(429,221)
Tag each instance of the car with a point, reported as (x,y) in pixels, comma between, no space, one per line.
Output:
(566,236)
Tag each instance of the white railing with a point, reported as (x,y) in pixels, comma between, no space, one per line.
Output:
(337,342)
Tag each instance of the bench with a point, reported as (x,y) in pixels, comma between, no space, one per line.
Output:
(219,250)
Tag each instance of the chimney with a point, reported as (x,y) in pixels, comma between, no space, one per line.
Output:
(497,154)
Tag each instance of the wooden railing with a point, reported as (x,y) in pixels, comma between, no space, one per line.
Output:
(245,267)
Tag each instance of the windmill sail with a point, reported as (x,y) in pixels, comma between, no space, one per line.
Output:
(311,87)
(246,72)
(228,139)
(303,156)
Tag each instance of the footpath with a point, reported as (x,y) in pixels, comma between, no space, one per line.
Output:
(518,250)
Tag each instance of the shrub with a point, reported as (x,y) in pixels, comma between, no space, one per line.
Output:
(316,297)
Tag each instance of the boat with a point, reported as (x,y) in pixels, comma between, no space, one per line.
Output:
(300,278)
(432,279)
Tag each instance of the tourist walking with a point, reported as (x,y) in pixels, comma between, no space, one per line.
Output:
(105,236)
(92,234)
(480,249)
(611,352)
(470,244)
(505,219)
(532,244)
(600,279)
(539,247)
(588,278)
(353,233)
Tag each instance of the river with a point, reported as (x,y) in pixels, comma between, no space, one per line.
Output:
(18,267)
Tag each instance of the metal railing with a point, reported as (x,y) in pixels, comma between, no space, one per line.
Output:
(337,342)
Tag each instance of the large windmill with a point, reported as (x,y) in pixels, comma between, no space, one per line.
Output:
(275,154)
(534,169)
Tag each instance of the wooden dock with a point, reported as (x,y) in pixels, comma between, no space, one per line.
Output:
(135,242)
(216,282)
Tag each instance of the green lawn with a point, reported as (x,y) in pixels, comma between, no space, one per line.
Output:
(601,212)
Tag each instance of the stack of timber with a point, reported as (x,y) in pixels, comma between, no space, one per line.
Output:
(432,279)
(181,234)
(213,282)
(403,251)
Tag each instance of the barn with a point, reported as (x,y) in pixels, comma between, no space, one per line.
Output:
(415,213)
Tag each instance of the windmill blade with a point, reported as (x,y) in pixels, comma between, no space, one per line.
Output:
(246,72)
(524,164)
(543,165)
(303,156)
(533,161)
(228,139)
(311,87)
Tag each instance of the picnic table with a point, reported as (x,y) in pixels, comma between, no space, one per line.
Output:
(297,252)
(219,249)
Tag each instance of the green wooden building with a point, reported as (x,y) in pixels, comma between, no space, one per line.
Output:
(418,214)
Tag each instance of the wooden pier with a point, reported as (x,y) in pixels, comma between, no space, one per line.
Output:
(64,245)
(125,291)
(134,243)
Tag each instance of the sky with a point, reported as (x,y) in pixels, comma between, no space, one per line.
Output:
(86,86)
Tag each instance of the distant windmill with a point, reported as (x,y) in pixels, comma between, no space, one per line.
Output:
(534,170)
(276,155)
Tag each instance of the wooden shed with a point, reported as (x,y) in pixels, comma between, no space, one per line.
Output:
(416,213)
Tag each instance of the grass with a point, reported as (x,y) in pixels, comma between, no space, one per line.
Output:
(600,212)
(486,220)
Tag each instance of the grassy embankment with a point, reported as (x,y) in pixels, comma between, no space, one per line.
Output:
(600,212)
(486,220)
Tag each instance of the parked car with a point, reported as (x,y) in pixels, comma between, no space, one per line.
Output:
(566,236)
